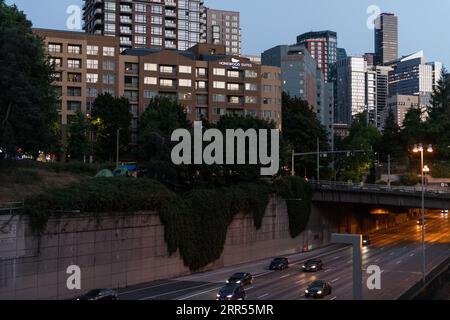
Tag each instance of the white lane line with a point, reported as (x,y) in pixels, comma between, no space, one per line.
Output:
(285,276)
(299,281)
(146,288)
(264,295)
(398,262)
(336,257)
(334,298)
(176,291)
(199,293)
(392,253)
(263,274)
(327,270)
(377,260)
(412,254)
(250,288)
(335,280)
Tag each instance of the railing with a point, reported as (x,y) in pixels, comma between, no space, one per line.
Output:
(10,207)
(330,185)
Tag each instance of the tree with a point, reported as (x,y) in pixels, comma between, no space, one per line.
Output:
(78,142)
(389,144)
(413,128)
(28,115)
(110,114)
(300,129)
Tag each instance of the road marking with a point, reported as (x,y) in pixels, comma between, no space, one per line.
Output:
(412,254)
(334,298)
(377,260)
(327,270)
(199,293)
(398,262)
(250,288)
(392,253)
(263,274)
(336,257)
(176,291)
(285,276)
(337,279)
(264,295)
(146,288)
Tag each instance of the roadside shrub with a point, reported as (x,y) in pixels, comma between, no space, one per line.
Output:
(410,179)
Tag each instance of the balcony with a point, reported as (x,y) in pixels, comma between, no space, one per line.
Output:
(171,25)
(126,20)
(171,14)
(170,4)
(170,35)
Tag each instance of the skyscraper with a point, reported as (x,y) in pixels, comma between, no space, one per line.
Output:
(171,24)
(323,47)
(386,38)
(223,27)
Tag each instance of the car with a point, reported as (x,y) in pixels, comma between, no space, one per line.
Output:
(242,278)
(444,213)
(313,265)
(318,289)
(366,241)
(419,222)
(279,264)
(100,294)
(232,291)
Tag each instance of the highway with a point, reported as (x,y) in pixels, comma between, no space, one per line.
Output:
(398,253)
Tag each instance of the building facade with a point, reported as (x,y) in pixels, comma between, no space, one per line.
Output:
(322,46)
(400,105)
(206,81)
(382,93)
(171,24)
(223,28)
(386,38)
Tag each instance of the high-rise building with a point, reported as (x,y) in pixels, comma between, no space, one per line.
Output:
(223,28)
(411,75)
(437,68)
(341,53)
(386,38)
(382,93)
(171,24)
(351,87)
(400,105)
(322,45)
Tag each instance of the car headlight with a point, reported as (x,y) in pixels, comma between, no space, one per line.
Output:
(229,296)
(306,291)
(319,292)
(303,266)
(313,267)
(228,281)
(218,296)
(239,281)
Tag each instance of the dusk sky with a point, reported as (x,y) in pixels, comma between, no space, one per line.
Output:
(423,25)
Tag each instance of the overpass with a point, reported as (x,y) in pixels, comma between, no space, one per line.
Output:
(378,195)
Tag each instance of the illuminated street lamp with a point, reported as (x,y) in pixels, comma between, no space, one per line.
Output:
(424,169)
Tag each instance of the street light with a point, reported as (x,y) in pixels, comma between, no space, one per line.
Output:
(421,149)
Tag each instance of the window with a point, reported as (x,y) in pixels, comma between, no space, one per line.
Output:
(156,20)
(219,84)
(219,72)
(74,63)
(55,47)
(185,69)
(57,62)
(157,9)
(233,74)
(92,92)
(219,98)
(110,6)
(92,78)
(108,51)
(151,80)
(166,82)
(267,88)
(74,49)
(74,91)
(201,72)
(150,67)
(131,81)
(109,65)
(233,86)
(250,74)
(156,31)
(149,94)
(156,41)
(166,69)
(250,99)
(185,83)
(110,28)
(109,91)
(140,29)
(92,64)
(200,85)
(108,79)
(185,96)
(57,76)
(267,100)
(219,111)
(131,67)
(140,40)
(92,50)
(140,7)
(251,87)
(74,106)
(74,77)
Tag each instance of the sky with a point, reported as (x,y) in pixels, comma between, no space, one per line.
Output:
(423,25)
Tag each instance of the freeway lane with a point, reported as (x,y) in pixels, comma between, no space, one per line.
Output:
(397,252)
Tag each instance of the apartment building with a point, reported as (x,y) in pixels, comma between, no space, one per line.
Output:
(171,24)
(223,28)
(205,80)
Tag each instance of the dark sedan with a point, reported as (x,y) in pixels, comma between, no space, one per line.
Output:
(318,289)
(242,278)
(99,294)
(313,265)
(279,264)
(366,241)
(232,291)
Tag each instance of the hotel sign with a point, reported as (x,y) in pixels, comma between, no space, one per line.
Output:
(235,64)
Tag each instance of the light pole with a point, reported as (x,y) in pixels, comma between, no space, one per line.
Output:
(421,149)
(118,147)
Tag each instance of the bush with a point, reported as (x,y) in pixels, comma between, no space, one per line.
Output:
(410,179)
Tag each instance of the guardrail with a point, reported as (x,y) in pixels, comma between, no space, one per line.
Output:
(10,207)
(330,185)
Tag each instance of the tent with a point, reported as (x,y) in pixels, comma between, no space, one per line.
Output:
(105,173)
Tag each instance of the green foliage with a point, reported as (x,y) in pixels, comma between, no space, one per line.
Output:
(19,176)
(110,114)
(78,144)
(409,179)
(440,169)
(28,115)
(196,222)
(389,144)
(414,129)
(300,129)
(298,195)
